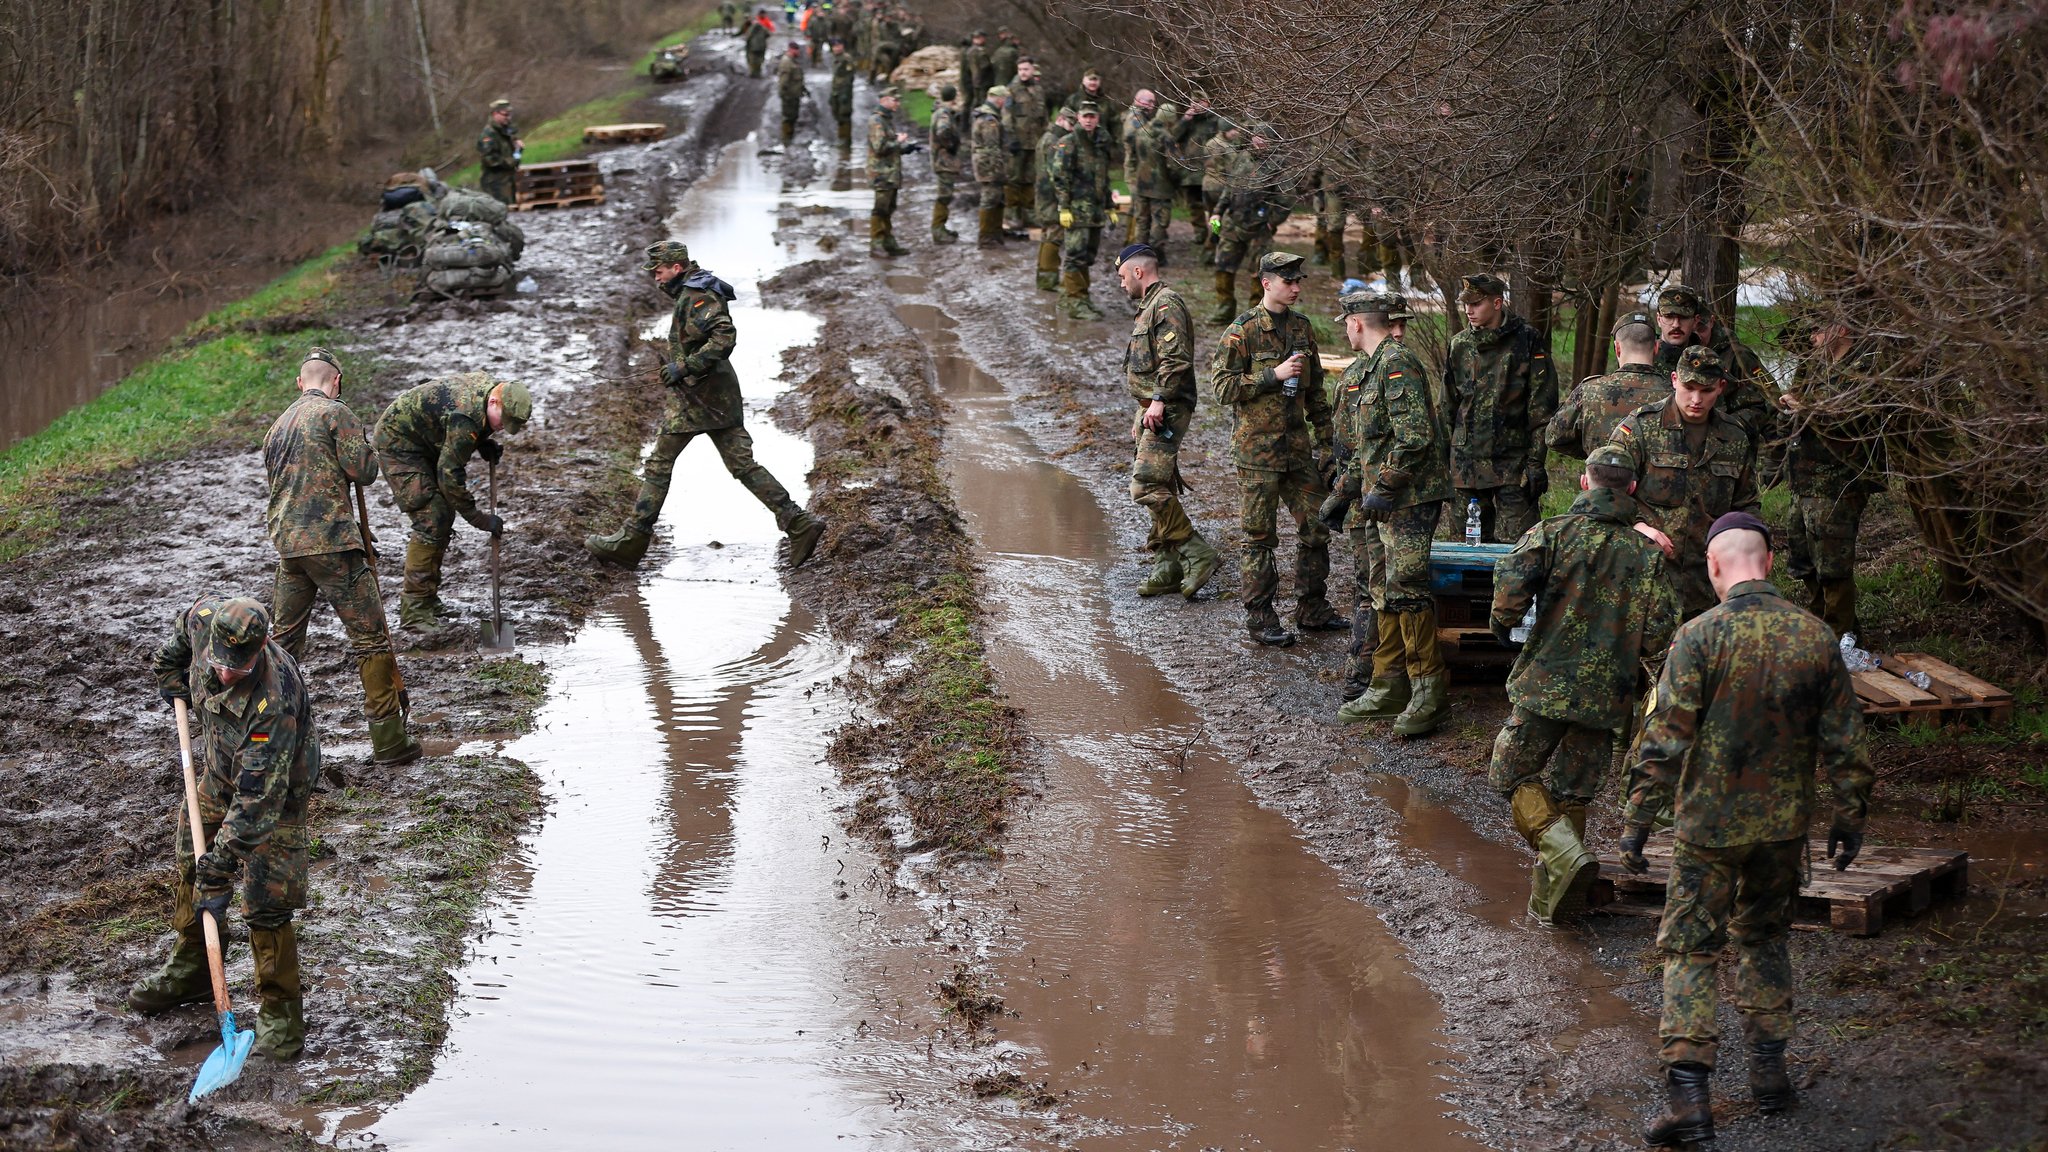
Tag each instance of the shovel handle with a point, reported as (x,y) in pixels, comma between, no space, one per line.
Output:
(213,960)
(497,612)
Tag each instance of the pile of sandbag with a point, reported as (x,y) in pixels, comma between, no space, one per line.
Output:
(460,238)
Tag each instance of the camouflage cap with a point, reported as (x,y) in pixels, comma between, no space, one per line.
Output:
(999,92)
(1089,108)
(1063,115)
(1481,286)
(1609,456)
(323,356)
(501,105)
(1739,522)
(517,403)
(889,92)
(1699,365)
(1167,112)
(665,252)
(1285,265)
(1633,318)
(1091,74)
(1678,300)
(1392,305)
(235,633)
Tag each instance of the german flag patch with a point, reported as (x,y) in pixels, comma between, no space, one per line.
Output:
(1393,375)
(259,737)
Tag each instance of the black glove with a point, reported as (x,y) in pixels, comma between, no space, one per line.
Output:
(490,450)
(1378,505)
(673,375)
(1335,507)
(1632,842)
(494,524)
(1537,483)
(214,900)
(173,695)
(1328,468)
(1850,840)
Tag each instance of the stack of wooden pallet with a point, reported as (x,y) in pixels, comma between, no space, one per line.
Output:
(562,184)
(1951,693)
(623,133)
(1884,883)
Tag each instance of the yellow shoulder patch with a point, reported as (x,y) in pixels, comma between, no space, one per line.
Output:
(263,704)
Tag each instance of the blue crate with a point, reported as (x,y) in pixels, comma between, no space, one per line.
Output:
(1457,569)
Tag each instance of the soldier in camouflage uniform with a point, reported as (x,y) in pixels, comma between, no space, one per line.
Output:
(424,441)
(1586,419)
(757,34)
(1251,211)
(1153,179)
(789,85)
(1331,214)
(1267,368)
(729,15)
(1219,153)
(1340,511)
(1201,196)
(1753,705)
(1692,464)
(1046,213)
(499,146)
(1834,465)
(1160,372)
(991,166)
(1024,120)
(313,455)
(1398,465)
(1503,390)
(888,46)
(1004,58)
(1135,118)
(842,92)
(977,74)
(887,142)
(258,756)
(1684,322)
(945,148)
(1602,607)
(1080,179)
(704,398)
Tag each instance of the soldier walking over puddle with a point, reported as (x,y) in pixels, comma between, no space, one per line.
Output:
(425,440)
(1754,706)
(704,397)
(1602,606)
(314,455)
(1159,369)
(500,147)
(258,755)
(1266,367)
(1503,389)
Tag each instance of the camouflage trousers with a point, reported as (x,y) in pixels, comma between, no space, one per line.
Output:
(736,448)
(1400,568)
(1822,542)
(1020,192)
(1689,581)
(348,583)
(1504,513)
(1150,219)
(1744,891)
(1368,573)
(1570,758)
(942,195)
(1079,247)
(1261,493)
(1155,478)
(273,877)
(754,62)
(499,183)
(419,496)
(1235,243)
(791,107)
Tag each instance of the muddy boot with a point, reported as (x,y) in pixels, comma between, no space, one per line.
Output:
(1425,707)
(1838,606)
(1166,574)
(942,211)
(876,230)
(1048,267)
(989,227)
(280,1021)
(803,539)
(1199,562)
(184,978)
(1769,1084)
(1074,302)
(1384,699)
(1226,298)
(1320,617)
(1563,873)
(1265,629)
(889,241)
(390,744)
(625,546)
(1689,1117)
(1084,301)
(419,598)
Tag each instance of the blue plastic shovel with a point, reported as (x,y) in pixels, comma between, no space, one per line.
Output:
(224,1065)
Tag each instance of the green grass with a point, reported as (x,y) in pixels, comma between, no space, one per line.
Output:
(917,106)
(704,23)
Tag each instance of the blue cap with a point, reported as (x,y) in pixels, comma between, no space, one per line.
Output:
(1133,251)
(1739,522)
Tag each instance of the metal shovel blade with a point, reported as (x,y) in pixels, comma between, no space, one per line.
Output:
(496,636)
(224,1065)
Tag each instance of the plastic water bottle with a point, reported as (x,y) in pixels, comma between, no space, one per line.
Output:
(1520,632)
(1472,522)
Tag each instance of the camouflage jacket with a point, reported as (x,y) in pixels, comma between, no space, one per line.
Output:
(1024,117)
(435,428)
(1251,202)
(885,152)
(1152,175)
(312,454)
(1045,205)
(1503,389)
(842,85)
(257,748)
(1275,431)
(991,152)
(700,339)
(1159,362)
(1400,441)
(1002,62)
(1218,154)
(945,138)
(1753,700)
(1829,457)
(495,145)
(1603,605)
(789,79)
(1133,122)
(976,72)
(1684,494)
(1190,143)
(1587,419)
(1080,176)
(1751,396)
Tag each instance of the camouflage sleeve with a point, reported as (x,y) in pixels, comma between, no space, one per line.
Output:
(710,328)
(262,772)
(172,664)
(1173,342)
(1669,730)
(1230,372)
(1454,380)
(1625,438)
(1061,165)
(451,470)
(1542,389)
(1747,499)
(352,448)
(1844,760)
(1563,433)
(1660,608)
(1518,577)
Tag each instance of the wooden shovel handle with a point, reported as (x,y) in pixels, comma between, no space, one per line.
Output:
(213,960)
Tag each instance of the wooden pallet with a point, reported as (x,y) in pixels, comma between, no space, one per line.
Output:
(1951,694)
(623,133)
(559,179)
(588,201)
(1884,883)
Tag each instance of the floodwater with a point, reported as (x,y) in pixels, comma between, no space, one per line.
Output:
(1189,976)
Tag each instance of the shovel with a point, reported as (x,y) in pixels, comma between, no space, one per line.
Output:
(497,635)
(224,1065)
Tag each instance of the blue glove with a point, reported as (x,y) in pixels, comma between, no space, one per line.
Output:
(214,900)
(673,375)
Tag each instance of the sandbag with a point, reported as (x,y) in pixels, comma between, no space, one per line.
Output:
(467,254)
(463,204)
(469,281)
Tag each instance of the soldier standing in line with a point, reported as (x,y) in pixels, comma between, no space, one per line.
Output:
(886,145)
(424,440)
(313,454)
(1160,372)
(815,21)
(1503,389)
(704,397)
(1684,322)
(842,92)
(1753,706)
(888,46)
(1046,205)
(1153,179)
(1834,465)
(1400,463)
(1587,418)
(1024,120)
(500,147)
(945,148)
(1091,92)
(1080,178)
(991,166)
(789,84)
(1198,126)
(976,72)
(1267,368)
(1218,153)
(258,754)
(1340,511)
(1692,464)
(1002,61)
(1251,211)
(1135,118)
(758,31)
(1603,606)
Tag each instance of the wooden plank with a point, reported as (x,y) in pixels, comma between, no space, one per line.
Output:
(1890,693)
(563,202)
(1953,677)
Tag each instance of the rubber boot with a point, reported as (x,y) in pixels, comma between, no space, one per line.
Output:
(803,539)
(942,211)
(1074,302)
(1084,299)
(1769,1084)
(989,226)
(280,1019)
(1563,873)
(1166,574)
(1838,606)
(419,598)
(1226,298)
(889,241)
(184,978)
(1425,707)
(1384,699)
(876,230)
(1048,267)
(1199,562)
(1689,1117)
(390,744)
(625,546)
(1269,632)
